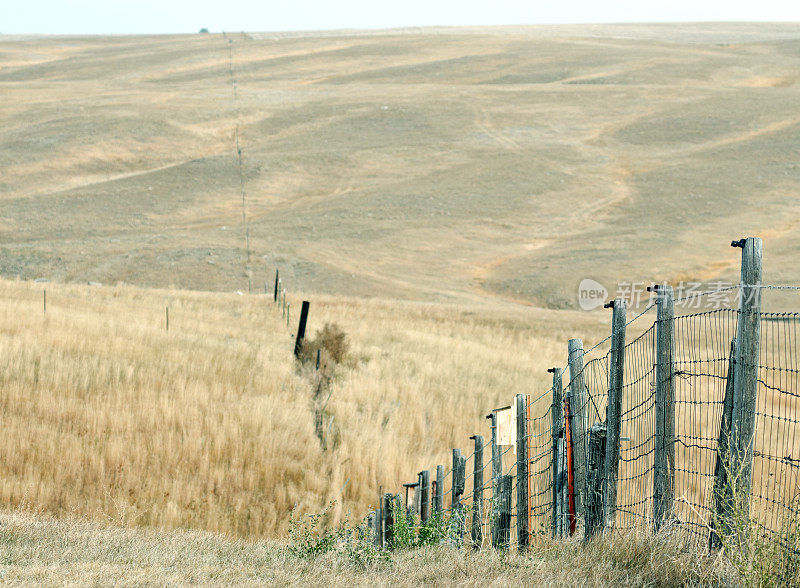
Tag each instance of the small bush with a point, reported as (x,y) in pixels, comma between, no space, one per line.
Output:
(332,343)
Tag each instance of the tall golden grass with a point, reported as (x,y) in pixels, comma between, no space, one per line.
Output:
(210,424)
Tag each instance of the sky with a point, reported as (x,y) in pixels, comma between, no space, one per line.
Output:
(188,16)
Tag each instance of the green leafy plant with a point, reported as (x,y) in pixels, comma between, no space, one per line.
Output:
(311,535)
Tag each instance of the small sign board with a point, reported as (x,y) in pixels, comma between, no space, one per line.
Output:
(506,426)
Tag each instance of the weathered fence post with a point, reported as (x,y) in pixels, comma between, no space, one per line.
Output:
(438,495)
(301,329)
(424,495)
(664,457)
(497,471)
(166,313)
(504,522)
(616,374)
(459,479)
(557,425)
(576,395)
(387,510)
(562,505)
(745,380)
(477,494)
(721,496)
(275,296)
(594,481)
(522,471)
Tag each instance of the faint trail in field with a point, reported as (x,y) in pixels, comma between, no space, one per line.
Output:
(483,121)
(770,129)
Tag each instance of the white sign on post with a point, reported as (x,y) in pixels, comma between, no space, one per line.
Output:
(507,427)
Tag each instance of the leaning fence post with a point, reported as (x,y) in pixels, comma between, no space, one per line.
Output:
(745,380)
(477,494)
(522,471)
(557,424)
(594,481)
(664,457)
(301,329)
(576,395)
(438,494)
(616,373)
(722,493)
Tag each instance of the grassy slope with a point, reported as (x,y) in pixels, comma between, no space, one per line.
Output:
(454,166)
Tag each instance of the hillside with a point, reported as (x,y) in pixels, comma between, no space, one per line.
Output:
(462,165)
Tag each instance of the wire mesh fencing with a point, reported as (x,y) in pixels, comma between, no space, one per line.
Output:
(701,363)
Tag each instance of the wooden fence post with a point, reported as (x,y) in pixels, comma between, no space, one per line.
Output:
(522,471)
(562,504)
(576,394)
(616,375)
(459,475)
(287,314)
(594,481)
(497,471)
(477,494)
(557,415)
(275,296)
(301,329)
(504,524)
(721,496)
(387,511)
(745,380)
(664,457)
(438,495)
(424,496)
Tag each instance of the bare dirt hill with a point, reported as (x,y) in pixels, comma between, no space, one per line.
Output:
(442,164)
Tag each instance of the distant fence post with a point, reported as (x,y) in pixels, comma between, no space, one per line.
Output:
(576,395)
(616,374)
(664,457)
(745,380)
(301,329)
(506,489)
(722,494)
(477,494)
(166,315)
(557,425)
(522,471)
(287,314)
(438,495)
(424,495)
(459,475)
(594,481)
(277,279)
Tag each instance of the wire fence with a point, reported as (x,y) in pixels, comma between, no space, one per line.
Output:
(700,369)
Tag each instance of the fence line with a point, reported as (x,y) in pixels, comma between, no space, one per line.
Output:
(673,442)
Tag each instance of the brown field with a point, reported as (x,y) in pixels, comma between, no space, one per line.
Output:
(437,193)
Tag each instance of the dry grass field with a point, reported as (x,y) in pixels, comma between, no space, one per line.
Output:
(438,194)
(210,424)
(47,552)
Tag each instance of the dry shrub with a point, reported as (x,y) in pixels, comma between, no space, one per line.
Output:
(331,341)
